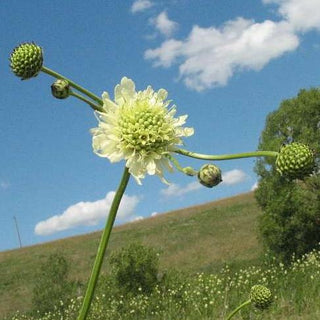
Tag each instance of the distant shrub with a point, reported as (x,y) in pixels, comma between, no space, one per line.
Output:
(135,268)
(52,287)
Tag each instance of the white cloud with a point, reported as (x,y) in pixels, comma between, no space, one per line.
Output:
(209,57)
(302,15)
(153,214)
(255,186)
(141,5)
(233,177)
(137,218)
(163,24)
(175,190)
(87,214)
(166,54)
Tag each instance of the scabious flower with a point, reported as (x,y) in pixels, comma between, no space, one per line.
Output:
(138,127)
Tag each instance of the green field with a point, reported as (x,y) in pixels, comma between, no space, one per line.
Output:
(194,239)
(214,244)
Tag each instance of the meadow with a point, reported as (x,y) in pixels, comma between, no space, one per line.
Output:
(211,257)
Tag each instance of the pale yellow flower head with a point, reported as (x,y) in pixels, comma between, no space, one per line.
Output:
(138,127)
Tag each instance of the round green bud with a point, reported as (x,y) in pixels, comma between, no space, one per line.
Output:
(260,296)
(60,89)
(295,161)
(26,60)
(209,175)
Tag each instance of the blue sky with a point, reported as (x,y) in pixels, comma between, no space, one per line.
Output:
(226,64)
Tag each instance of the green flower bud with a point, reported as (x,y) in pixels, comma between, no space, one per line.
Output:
(295,161)
(26,60)
(60,89)
(260,296)
(209,175)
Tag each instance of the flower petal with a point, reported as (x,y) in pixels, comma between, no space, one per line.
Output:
(125,91)
(162,94)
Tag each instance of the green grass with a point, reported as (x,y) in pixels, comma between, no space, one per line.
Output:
(208,296)
(216,247)
(197,239)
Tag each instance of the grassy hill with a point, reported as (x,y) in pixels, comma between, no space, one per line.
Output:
(198,238)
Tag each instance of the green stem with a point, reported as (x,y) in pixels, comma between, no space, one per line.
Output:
(72,84)
(187,170)
(84,99)
(237,309)
(226,156)
(103,245)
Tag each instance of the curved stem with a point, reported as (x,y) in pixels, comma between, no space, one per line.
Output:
(72,84)
(237,309)
(226,156)
(84,99)
(103,245)
(186,170)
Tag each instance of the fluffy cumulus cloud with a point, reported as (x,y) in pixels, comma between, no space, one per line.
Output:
(166,54)
(233,177)
(209,57)
(301,15)
(141,5)
(87,214)
(163,24)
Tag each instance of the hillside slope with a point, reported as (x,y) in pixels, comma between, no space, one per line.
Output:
(198,238)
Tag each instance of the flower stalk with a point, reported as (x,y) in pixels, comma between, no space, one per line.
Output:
(84,99)
(226,156)
(103,246)
(74,85)
(189,171)
(238,309)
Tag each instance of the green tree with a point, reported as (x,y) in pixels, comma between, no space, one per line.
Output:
(291,209)
(52,286)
